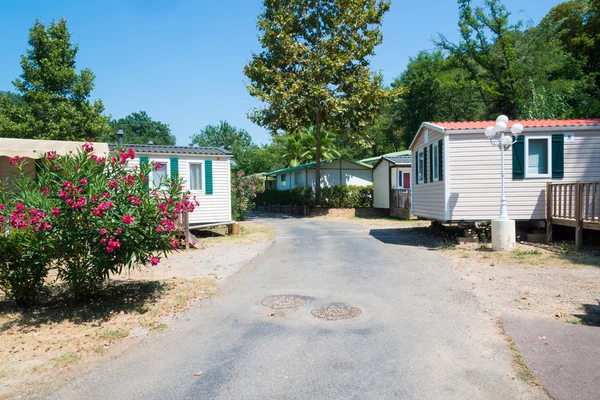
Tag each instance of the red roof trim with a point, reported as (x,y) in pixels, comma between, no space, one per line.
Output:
(538,123)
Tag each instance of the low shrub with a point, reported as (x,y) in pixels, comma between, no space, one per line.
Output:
(331,197)
(302,196)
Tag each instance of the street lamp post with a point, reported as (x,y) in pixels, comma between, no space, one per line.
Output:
(503,229)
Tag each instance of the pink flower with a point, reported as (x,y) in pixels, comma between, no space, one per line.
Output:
(103,231)
(88,147)
(112,184)
(83,181)
(45,191)
(19,207)
(134,200)
(14,160)
(127,219)
(154,260)
(55,211)
(118,231)
(51,155)
(159,228)
(2,207)
(158,166)
(103,240)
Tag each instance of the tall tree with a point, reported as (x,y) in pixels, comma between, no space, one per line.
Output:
(223,135)
(309,143)
(55,98)
(314,66)
(139,128)
(294,152)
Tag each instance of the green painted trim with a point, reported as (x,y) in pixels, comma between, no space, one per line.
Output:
(518,158)
(208,174)
(558,156)
(174,162)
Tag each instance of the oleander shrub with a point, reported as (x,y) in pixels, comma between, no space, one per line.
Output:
(302,196)
(87,217)
(244,190)
(331,197)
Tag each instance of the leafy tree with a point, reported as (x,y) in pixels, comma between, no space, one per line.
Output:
(314,66)
(255,159)
(139,128)
(223,135)
(54,100)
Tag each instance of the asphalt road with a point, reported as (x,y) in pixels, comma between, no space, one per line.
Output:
(421,334)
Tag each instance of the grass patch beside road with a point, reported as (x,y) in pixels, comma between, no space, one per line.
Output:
(40,346)
(250,232)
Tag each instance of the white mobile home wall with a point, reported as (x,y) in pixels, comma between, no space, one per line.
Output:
(428,199)
(474,176)
(214,208)
(331,175)
(381,182)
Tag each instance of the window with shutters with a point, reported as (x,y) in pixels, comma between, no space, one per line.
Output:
(159,175)
(435,161)
(196,176)
(538,160)
(421,166)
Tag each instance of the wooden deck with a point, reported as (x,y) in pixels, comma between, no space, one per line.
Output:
(573,204)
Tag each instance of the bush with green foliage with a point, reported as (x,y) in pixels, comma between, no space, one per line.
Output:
(87,217)
(244,190)
(331,197)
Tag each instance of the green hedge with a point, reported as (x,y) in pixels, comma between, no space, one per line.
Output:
(331,197)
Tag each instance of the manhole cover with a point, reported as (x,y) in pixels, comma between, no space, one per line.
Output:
(283,302)
(334,312)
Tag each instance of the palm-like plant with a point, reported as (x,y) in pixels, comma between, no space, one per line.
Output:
(293,148)
(309,143)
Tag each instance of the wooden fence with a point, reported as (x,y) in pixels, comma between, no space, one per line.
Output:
(573,204)
(400,203)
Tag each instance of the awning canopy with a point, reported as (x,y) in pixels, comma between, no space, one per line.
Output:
(35,149)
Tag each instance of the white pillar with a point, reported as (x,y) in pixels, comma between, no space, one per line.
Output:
(503,234)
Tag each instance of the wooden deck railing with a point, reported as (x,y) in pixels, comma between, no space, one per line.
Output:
(400,203)
(573,204)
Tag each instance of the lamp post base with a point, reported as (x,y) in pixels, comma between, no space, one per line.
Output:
(503,234)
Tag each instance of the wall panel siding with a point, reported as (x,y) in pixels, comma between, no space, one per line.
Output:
(213,208)
(331,175)
(428,198)
(381,185)
(475,184)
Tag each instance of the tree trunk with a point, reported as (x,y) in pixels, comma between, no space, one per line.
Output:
(318,123)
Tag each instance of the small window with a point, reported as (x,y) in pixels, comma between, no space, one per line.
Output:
(400,179)
(283,180)
(159,175)
(435,158)
(196,181)
(421,167)
(538,156)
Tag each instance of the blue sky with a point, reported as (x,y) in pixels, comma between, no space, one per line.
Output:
(181,61)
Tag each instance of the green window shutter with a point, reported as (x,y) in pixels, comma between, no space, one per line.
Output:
(558,156)
(518,158)
(416,167)
(208,175)
(143,164)
(441,159)
(425,164)
(430,163)
(174,168)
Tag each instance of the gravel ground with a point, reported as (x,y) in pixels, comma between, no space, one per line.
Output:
(422,334)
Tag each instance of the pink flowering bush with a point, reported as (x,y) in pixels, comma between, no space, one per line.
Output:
(244,190)
(98,216)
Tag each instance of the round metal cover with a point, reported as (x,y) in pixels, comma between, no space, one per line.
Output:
(334,312)
(279,302)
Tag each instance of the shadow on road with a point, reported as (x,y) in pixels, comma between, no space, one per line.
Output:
(409,236)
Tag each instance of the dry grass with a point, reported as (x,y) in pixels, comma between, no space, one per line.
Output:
(250,232)
(523,371)
(42,346)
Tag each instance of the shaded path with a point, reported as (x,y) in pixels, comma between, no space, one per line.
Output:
(421,334)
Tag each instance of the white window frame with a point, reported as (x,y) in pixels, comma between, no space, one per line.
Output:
(165,161)
(435,158)
(189,174)
(421,168)
(549,148)
(283,182)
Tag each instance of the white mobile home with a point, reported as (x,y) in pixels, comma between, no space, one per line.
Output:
(456,171)
(334,172)
(205,172)
(390,173)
